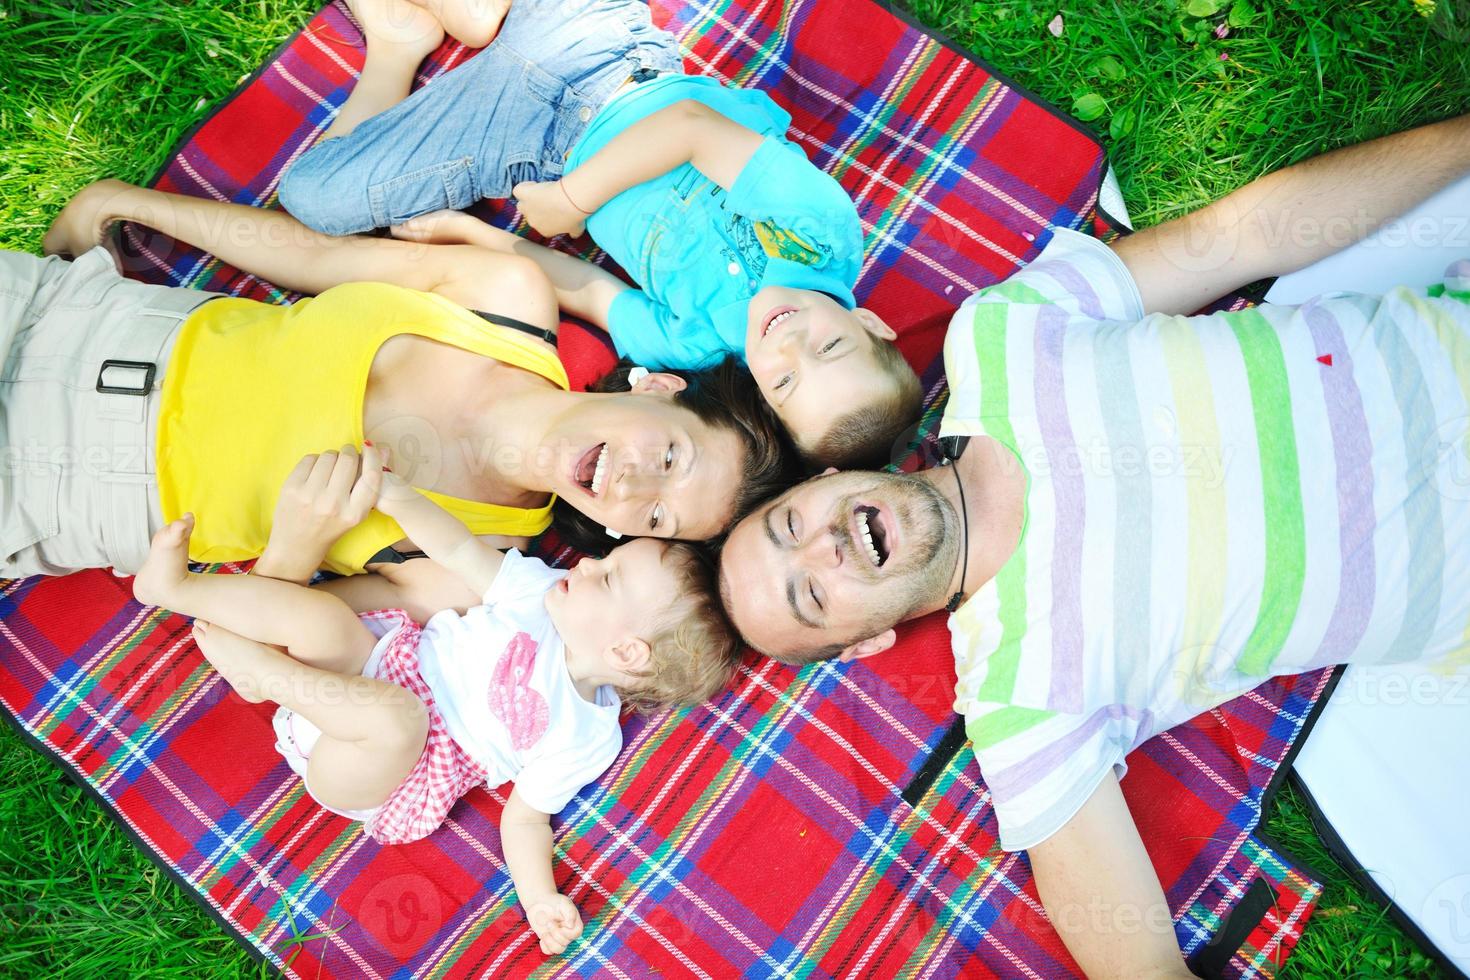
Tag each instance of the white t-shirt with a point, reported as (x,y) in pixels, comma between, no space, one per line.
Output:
(1211,501)
(499,677)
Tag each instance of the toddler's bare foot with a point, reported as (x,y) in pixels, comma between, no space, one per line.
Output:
(167,566)
(398,28)
(245,664)
(473,23)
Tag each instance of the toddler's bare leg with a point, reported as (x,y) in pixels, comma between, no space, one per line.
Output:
(471,22)
(373,732)
(314,627)
(399,36)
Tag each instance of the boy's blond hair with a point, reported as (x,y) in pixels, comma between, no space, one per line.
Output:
(866,437)
(694,648)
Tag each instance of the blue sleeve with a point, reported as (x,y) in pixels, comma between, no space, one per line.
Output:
(781,186)
(649,334)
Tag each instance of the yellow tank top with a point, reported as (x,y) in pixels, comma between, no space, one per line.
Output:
(252,387)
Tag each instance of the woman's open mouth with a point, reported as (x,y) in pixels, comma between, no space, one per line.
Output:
(871,527)
(776,316)
(591,469)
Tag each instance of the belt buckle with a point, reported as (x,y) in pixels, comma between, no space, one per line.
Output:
(148,368)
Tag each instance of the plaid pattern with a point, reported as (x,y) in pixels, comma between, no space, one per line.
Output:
(827,821)
(445,772)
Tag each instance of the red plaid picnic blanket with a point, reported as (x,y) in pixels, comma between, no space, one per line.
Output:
(826,822)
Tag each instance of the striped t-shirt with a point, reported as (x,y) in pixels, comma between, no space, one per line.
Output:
(1211,501)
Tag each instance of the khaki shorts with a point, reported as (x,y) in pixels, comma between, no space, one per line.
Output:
(83,353)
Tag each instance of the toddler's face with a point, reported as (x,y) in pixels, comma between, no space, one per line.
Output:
(604,601)
(812,358)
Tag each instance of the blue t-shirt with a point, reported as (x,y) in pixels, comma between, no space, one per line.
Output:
(701,253)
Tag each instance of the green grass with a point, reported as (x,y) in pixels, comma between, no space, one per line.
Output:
(103,88)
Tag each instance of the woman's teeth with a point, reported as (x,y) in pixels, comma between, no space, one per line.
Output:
(777,319)
(600,473)
(868,538)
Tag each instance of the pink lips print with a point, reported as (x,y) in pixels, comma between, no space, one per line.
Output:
(512,700)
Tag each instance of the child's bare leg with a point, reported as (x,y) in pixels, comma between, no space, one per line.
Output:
(314,627)
(471,22)
(399,36)
(373,732)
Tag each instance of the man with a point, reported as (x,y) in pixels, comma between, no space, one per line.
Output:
(1150,513)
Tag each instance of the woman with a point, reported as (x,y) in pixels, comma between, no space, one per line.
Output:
(226,395)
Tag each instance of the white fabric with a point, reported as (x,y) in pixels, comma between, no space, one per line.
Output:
(1387,762)
(499,677)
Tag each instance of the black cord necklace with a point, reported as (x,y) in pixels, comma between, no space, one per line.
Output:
(959,597)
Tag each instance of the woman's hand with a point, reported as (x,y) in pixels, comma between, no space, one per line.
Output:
(548,208)
(84,222)
(555,920)
(325,496)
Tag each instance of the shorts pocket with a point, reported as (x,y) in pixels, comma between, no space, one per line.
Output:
(29,504)
(445,185)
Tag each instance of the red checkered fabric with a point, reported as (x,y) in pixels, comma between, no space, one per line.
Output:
(445,772)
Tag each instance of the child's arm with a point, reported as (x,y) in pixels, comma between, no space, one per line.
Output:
(525,836)
(1102,895)
(440,534)
(685,132)
(276,246)
(582,289)
(325,496)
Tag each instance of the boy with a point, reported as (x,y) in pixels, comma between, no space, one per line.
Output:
(740,245)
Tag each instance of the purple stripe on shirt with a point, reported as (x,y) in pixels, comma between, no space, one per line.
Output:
(1352,445)
(1008,783)
(1065,468)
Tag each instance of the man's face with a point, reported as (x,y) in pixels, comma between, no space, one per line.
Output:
(838,560)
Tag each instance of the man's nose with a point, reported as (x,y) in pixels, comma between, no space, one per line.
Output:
(821,551)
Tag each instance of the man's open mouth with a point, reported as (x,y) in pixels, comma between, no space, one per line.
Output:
(591,469)
(874,533)
(778,315)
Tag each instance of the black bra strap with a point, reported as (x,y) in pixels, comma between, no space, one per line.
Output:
(509,321)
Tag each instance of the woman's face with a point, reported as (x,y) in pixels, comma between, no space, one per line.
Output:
(641,464)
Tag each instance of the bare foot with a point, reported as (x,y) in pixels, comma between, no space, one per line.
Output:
(473,23)
(398,28)
(246,665)
(167,566)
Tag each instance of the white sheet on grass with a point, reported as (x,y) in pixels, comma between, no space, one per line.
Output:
(1389,760)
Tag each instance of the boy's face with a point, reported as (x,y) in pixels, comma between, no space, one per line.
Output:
(607,601)
(812,358)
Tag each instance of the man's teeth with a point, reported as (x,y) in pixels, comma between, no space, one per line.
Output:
(599,473)
(777,319)
(868,538)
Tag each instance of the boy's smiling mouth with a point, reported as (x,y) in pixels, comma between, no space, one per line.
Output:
(776,316)
(591,470)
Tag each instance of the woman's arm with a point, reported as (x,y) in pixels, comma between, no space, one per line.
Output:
(276,246)
(582,289)
(1102,895)
(525,836)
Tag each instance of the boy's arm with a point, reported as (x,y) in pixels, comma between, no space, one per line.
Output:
(1289,219)
(685,132)
(525,836)
(1102,895)
(276,246)
(582,289)
(440,534)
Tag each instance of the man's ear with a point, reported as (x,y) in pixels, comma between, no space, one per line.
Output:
(659,382)
(873,324)
(868,647)
(631,656)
